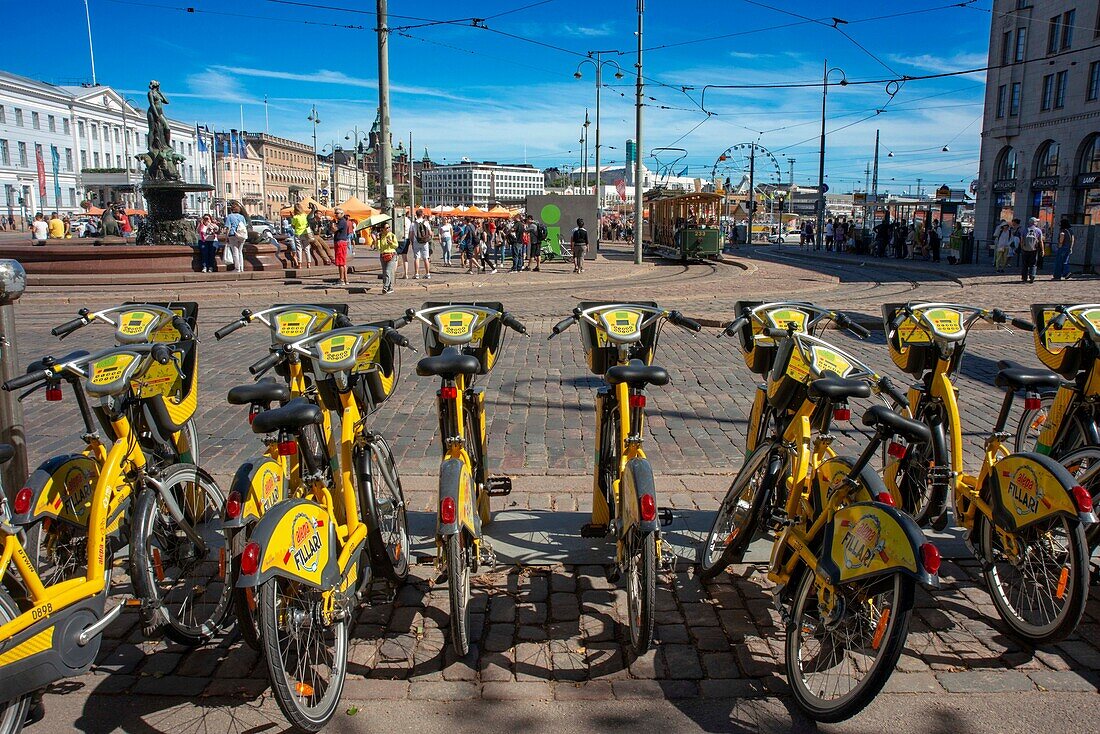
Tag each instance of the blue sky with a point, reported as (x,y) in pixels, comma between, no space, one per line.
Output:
(485,94)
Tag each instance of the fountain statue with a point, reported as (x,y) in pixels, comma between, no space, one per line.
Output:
(162,185)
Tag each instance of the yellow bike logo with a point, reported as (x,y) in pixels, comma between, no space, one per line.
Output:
(269,495)
(1026,493)
(305,543)
(863,542)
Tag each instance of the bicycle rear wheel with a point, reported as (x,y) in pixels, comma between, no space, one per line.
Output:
(246,608)
(12,713)
(389,538)
(1034,421)
(1038,577)
(1084,466)
(185,586)
(738,515)
(838,659)
(307,655)
(458,584)
(641,590)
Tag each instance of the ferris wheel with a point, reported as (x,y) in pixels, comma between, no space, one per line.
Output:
(745,165)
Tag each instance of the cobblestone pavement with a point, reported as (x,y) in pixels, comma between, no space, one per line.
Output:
(555,632)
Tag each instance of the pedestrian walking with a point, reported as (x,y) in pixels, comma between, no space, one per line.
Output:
(290,241)
(238,232)
(513,237)
(1063,250)
(579,242)
(882,236)
(406,245)
(935,239)
(341,234)
(208,244)
(299,225)
(386,242)
(1030,245)
(1002,242)
(830,231)
(446,231)
(422,246)
(534,246)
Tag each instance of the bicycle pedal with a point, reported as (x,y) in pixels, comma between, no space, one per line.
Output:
(668,559)
(614,573)
(592,530)
(500,486)
(378,592)
(941,522)
(486,556)
(665,516)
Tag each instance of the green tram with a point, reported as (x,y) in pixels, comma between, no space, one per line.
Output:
(686,227)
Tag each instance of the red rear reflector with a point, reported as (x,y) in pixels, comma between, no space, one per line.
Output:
(896,450)
(1082,499)
(886,498)
(449,392)
(648,508)
(637,401)
(22,502)
(54,394)
(233,506)
(1033,403)
(250,559)
(447,511)
(930,558)
(252,413)
(288,448)
(842,414)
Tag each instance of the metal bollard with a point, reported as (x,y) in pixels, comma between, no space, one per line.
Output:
(13,281)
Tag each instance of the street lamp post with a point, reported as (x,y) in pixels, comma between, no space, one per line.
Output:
(584,152)
(316,120)
(353,135)
(821,159)
(595,58)
(639,211)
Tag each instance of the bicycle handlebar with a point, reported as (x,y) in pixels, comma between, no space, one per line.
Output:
(845,322)
(22,381)
(563,325)
(396,338)
(183,327)
(513,323)
(886,385)
(1023,324)
(776,333)
(684,322)
(229,329)
(263,365)
(735,326)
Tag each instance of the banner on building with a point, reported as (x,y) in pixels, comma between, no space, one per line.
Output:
(41,172)
(56,183)
(620,186)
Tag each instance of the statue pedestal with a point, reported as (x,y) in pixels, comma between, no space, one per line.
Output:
(166,223)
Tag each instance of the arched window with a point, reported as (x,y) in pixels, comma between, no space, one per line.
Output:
(1046,162)
(1089,161)
(1006,164)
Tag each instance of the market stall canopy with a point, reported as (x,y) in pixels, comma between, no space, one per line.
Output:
(95,211)
(498,212)
(356,209)
(473,211)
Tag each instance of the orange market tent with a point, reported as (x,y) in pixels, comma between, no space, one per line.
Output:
(356,209)
(95,211)
(473,211)
(304,203)
(498,212)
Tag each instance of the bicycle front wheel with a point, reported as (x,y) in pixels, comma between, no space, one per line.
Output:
(641,590)
(840,656)
(1084,466)
(1038,576)
(738,514)
(13,713)
(389,538)
(458,586)
(1035,420)
(183,581)
(307,654)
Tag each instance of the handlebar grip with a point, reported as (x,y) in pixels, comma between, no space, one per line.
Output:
(564,324)
(1023,324)
(266,363)
(161,353)
(776,333)
(1058,321)
(735,326)
(393,336)
(22,381)
(183,328)
(513,323)
(68,327)
(887,386)
(341,321)
(229,329)
(899,317)
(684,322)
(858,330)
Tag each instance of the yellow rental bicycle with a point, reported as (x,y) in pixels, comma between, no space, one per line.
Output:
(844,558)
(310,559)
(463,341)
(619,342)
(1022,514)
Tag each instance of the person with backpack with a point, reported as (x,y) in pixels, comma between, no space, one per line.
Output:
(422,246)
(1063,250)
(534,244)
(579,242)
(1029,250)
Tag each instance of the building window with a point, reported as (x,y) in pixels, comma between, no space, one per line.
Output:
(5,153)
(1006,165)
(3,115)
(1094,81)
(1048,92)
(80,128)
(51,123)
(118,161)
(1054,34)
(95,159)
(1002,98)
(1060,80)
(95,131)
(1068,19)
(18,117)
(23,154)
(65,126)
(117,138)
(68,159)
(1047,160)
(1014,102)
(1021,45)
(36,122)
(83,159)
(72,197)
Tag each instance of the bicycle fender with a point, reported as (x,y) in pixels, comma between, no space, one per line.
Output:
(637,482)
(297,541)
(869,539)
(456,483)
(1026,488)
(260,484)
(61,487)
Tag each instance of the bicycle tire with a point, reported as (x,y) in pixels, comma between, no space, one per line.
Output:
(1083,465)
(290,687)
(458,588)
(891,642)
(388,539)
(742,495)
(641,591)
(918,497)
(246,608)
(1026,434)
(1074,586)
(149,563)
(58,553)
(13,714)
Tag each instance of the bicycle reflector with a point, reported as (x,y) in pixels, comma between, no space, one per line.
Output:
(54,394)
(637,401)
(1082,499)
(886,498)
(447,510)
(288,448)
(22,502)
(842,413)
(448,392)
(1032,402)
(930,558)
(233,506)
(252,413)
(648,508)
(250,559)
(896,450)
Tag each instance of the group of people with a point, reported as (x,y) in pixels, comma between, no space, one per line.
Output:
(915,241)
(114,222)
(1030,244)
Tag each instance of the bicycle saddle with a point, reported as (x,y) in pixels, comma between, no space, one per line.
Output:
(897,424)
(294,416)
(6,452)
(637,374)
(1018,377)
(264,391)
(838,389)
(448,364)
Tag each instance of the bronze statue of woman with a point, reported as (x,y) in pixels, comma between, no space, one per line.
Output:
(160,135)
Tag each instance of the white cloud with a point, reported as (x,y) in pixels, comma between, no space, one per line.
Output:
(327,76)
(937,64)
(589,31)
(215,86)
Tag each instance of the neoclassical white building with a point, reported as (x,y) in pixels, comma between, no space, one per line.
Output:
(86,138)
